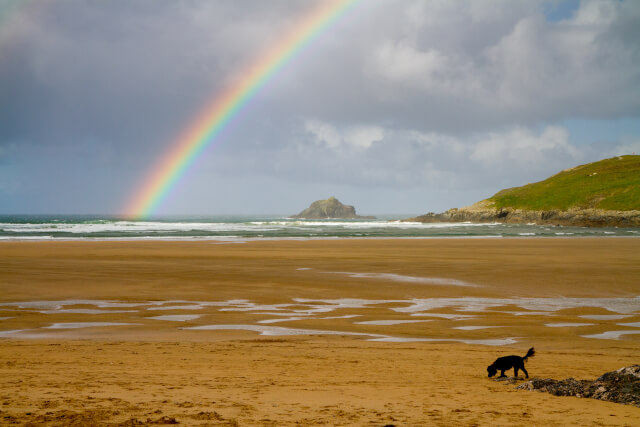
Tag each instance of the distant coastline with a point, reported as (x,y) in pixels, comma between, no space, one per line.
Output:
(570,218)
(599,194)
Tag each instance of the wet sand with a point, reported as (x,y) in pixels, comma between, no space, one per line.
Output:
(130,339)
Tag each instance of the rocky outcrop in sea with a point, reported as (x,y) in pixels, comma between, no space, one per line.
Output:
(330,208)
(621,386)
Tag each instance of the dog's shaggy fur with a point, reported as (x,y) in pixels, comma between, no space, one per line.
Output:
(507,362)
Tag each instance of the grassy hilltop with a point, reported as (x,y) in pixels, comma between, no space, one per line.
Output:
(599,194)
(610,184)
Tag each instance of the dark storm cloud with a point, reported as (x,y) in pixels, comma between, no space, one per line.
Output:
(94,70)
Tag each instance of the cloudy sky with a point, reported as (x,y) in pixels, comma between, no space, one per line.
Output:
(402,106)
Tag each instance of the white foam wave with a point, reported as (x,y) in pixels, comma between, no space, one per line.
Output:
(131,227)
(145,227)
(359,224)
(26,237)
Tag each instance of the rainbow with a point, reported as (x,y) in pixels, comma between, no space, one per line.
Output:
(216,116)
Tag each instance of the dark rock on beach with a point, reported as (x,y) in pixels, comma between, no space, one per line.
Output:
(330,208)
(164,420)
(621,386)
(509,380)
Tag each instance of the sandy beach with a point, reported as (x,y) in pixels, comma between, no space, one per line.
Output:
(312,332)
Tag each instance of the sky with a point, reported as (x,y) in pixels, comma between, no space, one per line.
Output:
(399,107)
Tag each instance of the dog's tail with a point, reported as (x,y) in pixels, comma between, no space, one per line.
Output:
(529,354)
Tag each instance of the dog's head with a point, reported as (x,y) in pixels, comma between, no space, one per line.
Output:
(491,370)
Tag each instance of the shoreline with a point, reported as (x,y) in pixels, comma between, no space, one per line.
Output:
(232,239)
(235,230)
(592,218)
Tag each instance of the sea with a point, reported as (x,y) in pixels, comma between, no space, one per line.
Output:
(239,228)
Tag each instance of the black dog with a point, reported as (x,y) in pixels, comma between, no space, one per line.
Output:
(507,362)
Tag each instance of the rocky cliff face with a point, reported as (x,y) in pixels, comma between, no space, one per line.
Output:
(483,212)
(330,208)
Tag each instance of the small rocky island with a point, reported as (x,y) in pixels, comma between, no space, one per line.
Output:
(600,194)
(330,208)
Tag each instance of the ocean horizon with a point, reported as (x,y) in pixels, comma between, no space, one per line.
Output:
(249,227)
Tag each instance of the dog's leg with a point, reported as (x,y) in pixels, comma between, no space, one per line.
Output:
(502,373)
(515,371)
(525,372)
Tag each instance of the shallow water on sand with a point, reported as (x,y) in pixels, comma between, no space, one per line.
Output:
(400,314)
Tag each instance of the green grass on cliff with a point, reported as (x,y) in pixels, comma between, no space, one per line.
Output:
(611,184)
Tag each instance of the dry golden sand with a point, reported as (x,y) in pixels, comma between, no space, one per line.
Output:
(153,370)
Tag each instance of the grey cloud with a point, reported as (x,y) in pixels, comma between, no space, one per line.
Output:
(125,71)
(400,96)
(424,65)
(319,151)
(140,70)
